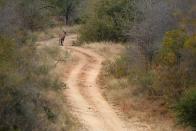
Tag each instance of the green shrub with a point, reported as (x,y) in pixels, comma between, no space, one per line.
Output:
(50,115)
(186,109)
(176,62)
(118,68)
(173,45)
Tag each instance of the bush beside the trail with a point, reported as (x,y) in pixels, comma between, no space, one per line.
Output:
(186,109)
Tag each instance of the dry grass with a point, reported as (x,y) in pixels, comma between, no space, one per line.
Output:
(138,108)
(54,32)
(108,50)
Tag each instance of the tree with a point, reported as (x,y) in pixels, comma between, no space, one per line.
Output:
(22,15)
(108,20)
(148,31)
(173,45)
(66,8)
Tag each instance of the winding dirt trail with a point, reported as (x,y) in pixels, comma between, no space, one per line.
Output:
(84,95)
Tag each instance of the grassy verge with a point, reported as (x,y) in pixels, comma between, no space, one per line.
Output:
(127,96)
(63,117)
(31,88)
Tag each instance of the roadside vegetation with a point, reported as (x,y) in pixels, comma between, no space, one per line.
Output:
(159,61)
(30,85)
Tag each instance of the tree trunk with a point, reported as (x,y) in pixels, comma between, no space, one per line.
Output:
(67,19)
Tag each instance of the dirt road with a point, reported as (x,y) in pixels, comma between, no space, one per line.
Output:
(84,94)
(85,97)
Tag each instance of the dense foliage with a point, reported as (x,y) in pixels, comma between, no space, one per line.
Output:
(160,58)
(26,74)
(67,9)
(22,83)
(108,20)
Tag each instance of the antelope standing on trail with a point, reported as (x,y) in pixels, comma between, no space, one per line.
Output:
(62,37)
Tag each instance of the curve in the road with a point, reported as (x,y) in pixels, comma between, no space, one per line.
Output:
(84,95)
